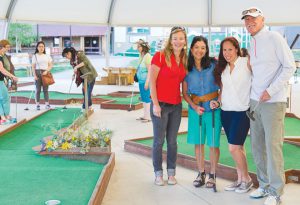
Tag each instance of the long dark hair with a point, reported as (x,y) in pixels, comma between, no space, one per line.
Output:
(73,54)
(221,65)
(37,45)
(205,61)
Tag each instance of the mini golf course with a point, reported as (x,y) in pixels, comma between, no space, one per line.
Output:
(58,98)
(29,178)
(186,156)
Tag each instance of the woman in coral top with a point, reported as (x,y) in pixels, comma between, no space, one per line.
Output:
(166,74)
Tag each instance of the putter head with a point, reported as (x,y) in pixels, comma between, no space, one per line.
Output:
(129,109)
(215,188)
(250,115)
(26,108)
(65,107)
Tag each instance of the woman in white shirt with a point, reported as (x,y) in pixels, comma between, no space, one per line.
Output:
(233,75)
(41,65)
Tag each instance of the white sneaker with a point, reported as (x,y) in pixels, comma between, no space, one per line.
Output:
(172,180)
(244,187)
(159,181)
(272,200)
(233,186)
(258,193)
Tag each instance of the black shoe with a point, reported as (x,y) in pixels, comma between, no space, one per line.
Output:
(200,180)
(38,107)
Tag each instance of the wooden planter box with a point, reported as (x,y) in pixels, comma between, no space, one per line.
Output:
(189,162)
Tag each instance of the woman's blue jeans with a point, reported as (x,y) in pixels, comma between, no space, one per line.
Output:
(90,87)
(165,127)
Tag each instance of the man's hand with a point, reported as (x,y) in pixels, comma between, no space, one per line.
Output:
(265,96)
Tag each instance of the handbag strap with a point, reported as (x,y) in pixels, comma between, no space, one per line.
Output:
(140,62)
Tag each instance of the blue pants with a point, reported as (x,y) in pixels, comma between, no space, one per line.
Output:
(90,87)
(165,127)
(4,100)
(145,94)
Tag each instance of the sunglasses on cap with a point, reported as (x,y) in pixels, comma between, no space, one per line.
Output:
(249,11)
(177,28)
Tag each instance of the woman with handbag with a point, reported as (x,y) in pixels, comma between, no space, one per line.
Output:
(143,77)
(4,97)
(41,65)
(167,72)
(82,65)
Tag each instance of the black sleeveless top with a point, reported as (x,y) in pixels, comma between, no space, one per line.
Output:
(1,74)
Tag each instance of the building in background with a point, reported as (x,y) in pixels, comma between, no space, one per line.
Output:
(90,39)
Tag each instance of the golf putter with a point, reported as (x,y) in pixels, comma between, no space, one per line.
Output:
(65,107)
(29,101)
(131,99)
(250,114)
(214,154)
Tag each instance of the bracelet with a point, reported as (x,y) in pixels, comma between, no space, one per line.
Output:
(220,104)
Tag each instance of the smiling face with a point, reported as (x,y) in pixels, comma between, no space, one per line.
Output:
(178,41)
(254,24)
(230,52)
(199,50)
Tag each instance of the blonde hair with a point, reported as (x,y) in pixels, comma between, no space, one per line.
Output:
(4,42)
(168,50)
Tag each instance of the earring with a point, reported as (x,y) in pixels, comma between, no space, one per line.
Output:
(184,47)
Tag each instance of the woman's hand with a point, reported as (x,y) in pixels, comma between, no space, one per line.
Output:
(45,72)
(157,110)
(15,79)
(35,77)
(146,87)
(214,104)
(198,109)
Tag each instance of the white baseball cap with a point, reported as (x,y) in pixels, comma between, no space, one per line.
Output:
(252,11)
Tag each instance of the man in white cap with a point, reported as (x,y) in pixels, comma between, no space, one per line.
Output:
(272,65)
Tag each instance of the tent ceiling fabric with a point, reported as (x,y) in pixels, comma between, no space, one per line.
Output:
(149,12)
(276,12)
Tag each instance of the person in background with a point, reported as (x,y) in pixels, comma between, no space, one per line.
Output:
(41,65)
(273,65)
(8,64)
(244,52)
(198,90)
(4,97)
(143,76)
(166,74)
(233,75)
(82,65)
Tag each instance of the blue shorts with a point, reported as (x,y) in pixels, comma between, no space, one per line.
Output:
(194,136)
(145,94)
(236,126)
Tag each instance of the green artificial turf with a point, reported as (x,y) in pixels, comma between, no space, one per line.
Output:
(291,152)
(30,179)
(64,96)
(56,69)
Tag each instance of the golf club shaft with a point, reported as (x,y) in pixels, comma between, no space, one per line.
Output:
(214,148)
(131,99)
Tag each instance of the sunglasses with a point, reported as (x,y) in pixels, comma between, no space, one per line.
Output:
(249,11)
(177,28)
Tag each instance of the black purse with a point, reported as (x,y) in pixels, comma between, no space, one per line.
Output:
(135,78)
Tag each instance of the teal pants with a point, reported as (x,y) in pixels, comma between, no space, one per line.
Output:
(197,137)
(4,100)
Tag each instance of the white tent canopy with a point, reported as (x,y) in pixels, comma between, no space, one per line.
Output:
(147,12)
